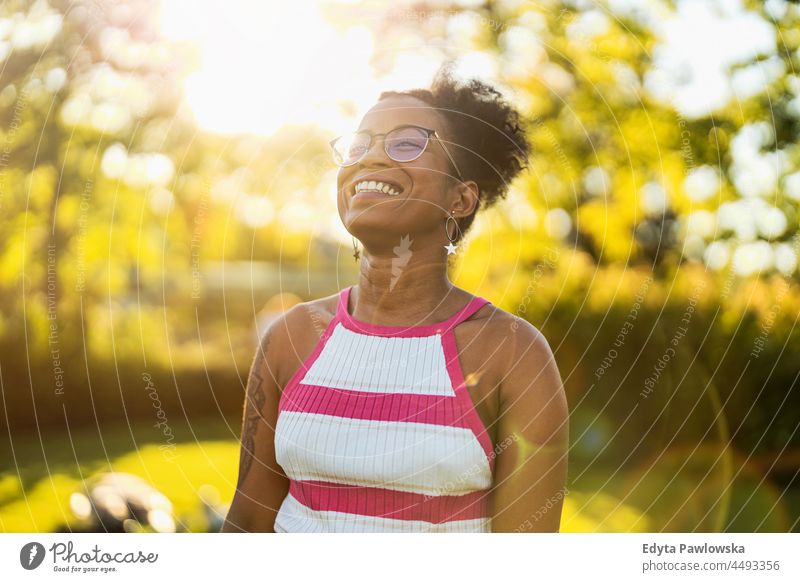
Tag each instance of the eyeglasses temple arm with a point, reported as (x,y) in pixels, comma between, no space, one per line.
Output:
(447,152)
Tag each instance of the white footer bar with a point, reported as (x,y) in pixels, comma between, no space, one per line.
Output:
(406,557)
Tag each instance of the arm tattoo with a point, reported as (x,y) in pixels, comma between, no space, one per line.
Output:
(255,397)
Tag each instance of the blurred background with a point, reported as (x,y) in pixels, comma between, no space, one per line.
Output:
(166,189)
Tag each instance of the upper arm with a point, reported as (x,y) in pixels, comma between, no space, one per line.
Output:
(262,484)
(532,438)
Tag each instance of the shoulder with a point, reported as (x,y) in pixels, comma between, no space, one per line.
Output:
(292,333)
(520,337)
(530,343)
(316,313)
(527,365)
(297,319)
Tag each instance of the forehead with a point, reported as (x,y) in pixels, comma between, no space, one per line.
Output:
(403,110)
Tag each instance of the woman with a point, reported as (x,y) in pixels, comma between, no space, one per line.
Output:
(403,403)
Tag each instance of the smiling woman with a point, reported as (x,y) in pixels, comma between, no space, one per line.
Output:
(420,407)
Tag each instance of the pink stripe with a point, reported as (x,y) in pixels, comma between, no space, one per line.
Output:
(366,328)
(462,393)
(376,502)
(422,408)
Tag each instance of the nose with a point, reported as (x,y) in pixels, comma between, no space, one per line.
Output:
(376,154)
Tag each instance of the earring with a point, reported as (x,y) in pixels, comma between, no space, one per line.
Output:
(356,251)
(451,248)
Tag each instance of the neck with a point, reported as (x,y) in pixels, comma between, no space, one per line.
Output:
(403,286)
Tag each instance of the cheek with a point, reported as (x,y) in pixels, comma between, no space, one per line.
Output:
(424,172)
(341,178)
(429,183)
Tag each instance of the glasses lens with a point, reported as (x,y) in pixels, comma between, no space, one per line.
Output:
(406,143)
(350,148)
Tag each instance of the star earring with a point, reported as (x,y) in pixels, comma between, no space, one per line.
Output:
(451,248)
(356,250)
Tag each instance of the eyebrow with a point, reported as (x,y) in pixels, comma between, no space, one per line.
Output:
(401,126)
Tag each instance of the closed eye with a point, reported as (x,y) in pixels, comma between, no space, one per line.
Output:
(407,145)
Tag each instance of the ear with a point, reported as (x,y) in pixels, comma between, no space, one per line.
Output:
(465,198)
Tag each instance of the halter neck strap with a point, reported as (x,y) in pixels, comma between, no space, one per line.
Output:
(462,314)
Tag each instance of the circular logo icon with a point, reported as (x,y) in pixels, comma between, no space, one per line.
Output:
(31,555)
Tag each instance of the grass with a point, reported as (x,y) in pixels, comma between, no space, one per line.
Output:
(35,497)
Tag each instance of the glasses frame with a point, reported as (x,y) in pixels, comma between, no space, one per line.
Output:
(430,133)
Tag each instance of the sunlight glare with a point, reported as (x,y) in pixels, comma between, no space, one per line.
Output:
(263,65)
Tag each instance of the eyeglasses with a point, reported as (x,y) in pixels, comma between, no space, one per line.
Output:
(402,144)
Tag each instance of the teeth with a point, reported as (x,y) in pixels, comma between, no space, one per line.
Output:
(376,187)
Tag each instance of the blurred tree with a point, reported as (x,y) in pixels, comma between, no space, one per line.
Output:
(112,201)
(630,166)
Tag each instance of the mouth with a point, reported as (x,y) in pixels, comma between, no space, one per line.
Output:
(385,187)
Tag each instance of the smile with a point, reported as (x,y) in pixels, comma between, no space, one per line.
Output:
(375,186)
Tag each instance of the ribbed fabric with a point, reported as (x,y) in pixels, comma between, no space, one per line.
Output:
(377,432)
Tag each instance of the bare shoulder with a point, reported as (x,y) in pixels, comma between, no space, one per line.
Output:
(527,366)
(292,335)
(499,325)
(302,319)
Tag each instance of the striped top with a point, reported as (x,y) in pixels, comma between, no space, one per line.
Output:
(377,432)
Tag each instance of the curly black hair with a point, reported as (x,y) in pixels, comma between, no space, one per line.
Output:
(491,144)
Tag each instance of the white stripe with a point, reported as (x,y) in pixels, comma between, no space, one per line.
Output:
(293,516)
(355,361)
(404,456)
